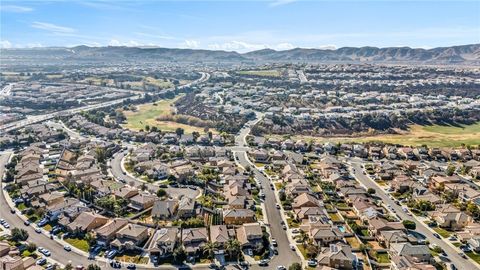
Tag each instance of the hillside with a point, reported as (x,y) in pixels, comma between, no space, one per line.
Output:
(465,54)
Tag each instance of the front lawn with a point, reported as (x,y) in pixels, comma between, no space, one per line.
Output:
(78,243)
(292,223)
(474,256)
(443,233)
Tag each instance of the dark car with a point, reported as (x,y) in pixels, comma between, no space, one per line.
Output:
(437,235)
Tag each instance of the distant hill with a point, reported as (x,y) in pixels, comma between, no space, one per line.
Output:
(465,54)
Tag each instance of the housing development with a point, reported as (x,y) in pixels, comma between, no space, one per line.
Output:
(238,161)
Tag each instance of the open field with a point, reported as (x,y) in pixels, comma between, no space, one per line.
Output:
(147,114)
(434,136)
(266,73)
(163,84)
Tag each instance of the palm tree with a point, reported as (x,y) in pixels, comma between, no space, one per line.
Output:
(233,248)
(209,249)
(303,236)
(178,254)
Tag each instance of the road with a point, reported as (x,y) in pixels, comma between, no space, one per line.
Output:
(7,89)
(121,175)
(422,228)
(32,119)
(286,256)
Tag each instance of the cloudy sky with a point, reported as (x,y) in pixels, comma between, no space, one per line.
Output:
(239,25)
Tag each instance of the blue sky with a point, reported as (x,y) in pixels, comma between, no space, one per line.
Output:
(240,25)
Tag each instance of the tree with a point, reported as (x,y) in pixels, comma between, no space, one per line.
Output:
(179,131)
(19,235)
(303,237)
(68,266)
(93,267)
(312,251)
(161,192)
(233,248)
(179,254)
(371,191)
(147,128)
(100,154)
(31,247)
(450,170)
(295,266)
(408,224)
(209,249)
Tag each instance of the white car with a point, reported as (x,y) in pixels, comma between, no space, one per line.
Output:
(281,267)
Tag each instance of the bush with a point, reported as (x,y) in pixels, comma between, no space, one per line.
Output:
(408,224)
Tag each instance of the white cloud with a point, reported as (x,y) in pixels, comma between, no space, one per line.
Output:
(327,47)
(5,44)
(284,46)
(34,45)
(237,46)
(277,3)
(52,27)
(16,9)
(130,43)
(190,44)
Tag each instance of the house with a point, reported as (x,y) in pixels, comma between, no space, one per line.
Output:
(448,216)
(378,224)
(220,235)
(250,235)
(337,256)
(186,208)
(323,236)
(130,237)
(142,201)
(87,221)
(106,233)
(305,212)
(163,242)
(305,200)
(395,236)
(409,263)
(164,210)
(194,239)
(421,253)
(238,216)
(51,197)
(260,155)
(297,187)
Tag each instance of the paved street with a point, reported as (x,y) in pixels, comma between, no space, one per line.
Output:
(459,262)
(118,173)
(286,255)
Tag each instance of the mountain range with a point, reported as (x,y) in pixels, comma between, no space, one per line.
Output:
(464,54)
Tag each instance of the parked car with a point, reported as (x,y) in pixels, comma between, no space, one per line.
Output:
(41,261)
(38,230)
(263,263)
(312,263)
(437,235)
(274,242)
(67,248)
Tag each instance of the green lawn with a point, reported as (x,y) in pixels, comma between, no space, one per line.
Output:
(382,258)
(474,256)
(78,243)
(47,227)
(292,223)
(263,73)
(147,114)
(335,217)
(433,136)
(302,250)
(443,233)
